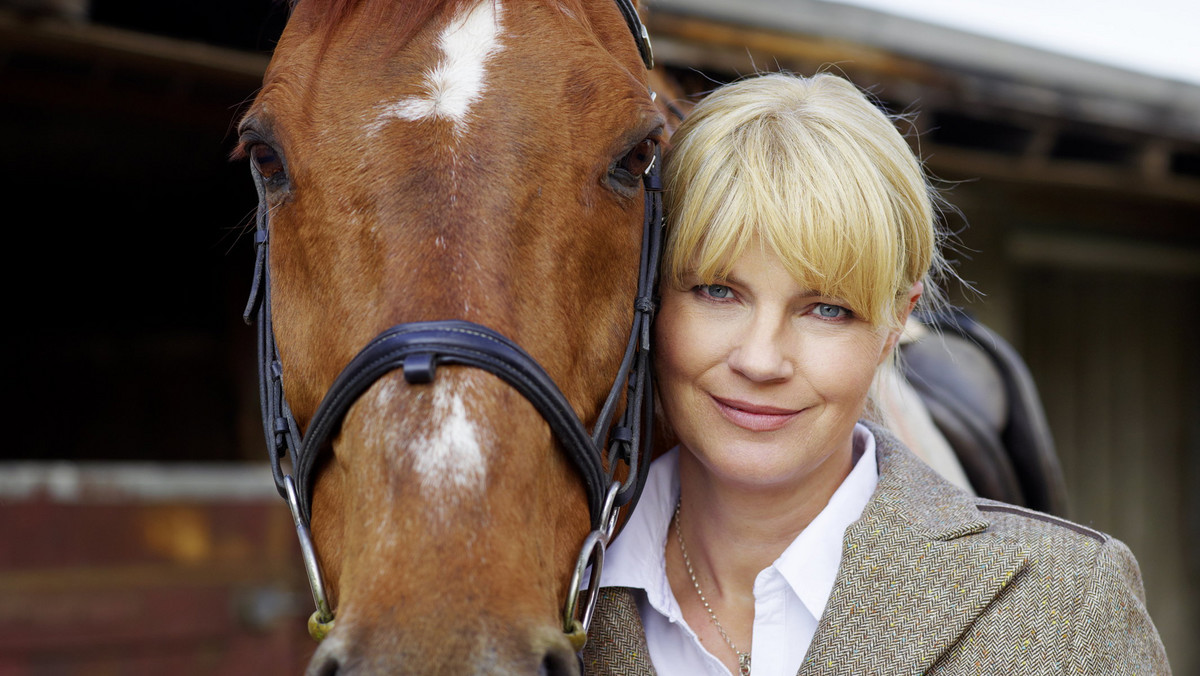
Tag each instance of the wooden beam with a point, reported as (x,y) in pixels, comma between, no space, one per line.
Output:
(152,52)
(956,163)
(740,45)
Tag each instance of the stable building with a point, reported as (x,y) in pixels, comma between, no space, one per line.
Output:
(133,487)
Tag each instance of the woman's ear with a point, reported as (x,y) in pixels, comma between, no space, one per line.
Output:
(914,295)
(905,308)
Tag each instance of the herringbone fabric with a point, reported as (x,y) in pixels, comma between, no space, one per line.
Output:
(934,581)
(616,644)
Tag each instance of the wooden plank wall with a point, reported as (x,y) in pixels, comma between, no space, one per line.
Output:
(1114,354)
(96,585)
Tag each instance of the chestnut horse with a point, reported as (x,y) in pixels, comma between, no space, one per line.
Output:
(467,171)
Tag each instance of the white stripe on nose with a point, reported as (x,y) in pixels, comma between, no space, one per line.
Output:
(449,458)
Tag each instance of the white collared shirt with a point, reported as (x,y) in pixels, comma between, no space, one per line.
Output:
(789,595)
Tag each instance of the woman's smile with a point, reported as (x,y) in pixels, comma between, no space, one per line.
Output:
(755,417)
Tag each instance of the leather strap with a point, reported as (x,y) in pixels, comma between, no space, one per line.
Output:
(640,35)
(419,347)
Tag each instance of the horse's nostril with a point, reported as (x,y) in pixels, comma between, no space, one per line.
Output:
(560,662)
(324,663)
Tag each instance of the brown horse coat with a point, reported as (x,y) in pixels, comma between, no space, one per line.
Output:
(474,160)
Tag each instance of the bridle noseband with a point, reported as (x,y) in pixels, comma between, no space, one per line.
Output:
(418,348)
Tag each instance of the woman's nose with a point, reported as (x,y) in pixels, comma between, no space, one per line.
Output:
(760,354)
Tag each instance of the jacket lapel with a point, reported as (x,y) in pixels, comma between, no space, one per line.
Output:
(917,569)
(616,644)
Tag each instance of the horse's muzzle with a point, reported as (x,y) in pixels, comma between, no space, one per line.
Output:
(337,657)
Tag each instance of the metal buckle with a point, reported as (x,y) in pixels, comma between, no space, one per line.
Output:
(321,622)
(608,515)
(591,554)
(644,46)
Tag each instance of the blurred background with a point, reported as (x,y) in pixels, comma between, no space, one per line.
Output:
(140,532)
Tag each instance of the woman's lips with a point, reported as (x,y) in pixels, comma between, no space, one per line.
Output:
(754,417)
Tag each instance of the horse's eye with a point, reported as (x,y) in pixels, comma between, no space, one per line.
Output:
(266,162)
(637,160)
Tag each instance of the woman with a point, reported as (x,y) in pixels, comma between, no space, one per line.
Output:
(782,535)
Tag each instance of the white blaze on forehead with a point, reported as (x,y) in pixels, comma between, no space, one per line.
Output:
(449,457)
(458,80)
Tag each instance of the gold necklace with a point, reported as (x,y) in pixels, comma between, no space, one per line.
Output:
(743,657)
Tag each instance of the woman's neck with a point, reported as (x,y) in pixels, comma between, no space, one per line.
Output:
(733,532)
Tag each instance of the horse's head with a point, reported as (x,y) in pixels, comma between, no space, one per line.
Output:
(467,159)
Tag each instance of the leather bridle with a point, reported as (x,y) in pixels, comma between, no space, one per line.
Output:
(418,348)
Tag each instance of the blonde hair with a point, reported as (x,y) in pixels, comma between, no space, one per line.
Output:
(815,172)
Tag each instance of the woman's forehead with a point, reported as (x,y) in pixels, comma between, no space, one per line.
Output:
(743,268)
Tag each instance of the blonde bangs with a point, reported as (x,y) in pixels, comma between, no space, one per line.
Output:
(810,169)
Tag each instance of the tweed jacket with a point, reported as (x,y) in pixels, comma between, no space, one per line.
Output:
(935,581)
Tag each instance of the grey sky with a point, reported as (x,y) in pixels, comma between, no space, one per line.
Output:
(1151,36)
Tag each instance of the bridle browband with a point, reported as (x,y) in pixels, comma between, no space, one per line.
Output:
(418,348)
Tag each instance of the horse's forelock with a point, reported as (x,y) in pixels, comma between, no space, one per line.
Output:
(404,19)
(330,14)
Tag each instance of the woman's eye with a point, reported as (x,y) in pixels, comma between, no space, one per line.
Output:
(716,291)
(266,161)
(831,311)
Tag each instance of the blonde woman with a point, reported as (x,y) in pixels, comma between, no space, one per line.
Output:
(783,535)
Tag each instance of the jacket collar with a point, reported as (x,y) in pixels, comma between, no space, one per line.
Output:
(917,569)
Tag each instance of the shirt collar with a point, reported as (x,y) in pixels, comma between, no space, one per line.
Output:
(809,564)
(637,557)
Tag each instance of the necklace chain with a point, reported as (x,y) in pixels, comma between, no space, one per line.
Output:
(743,657)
